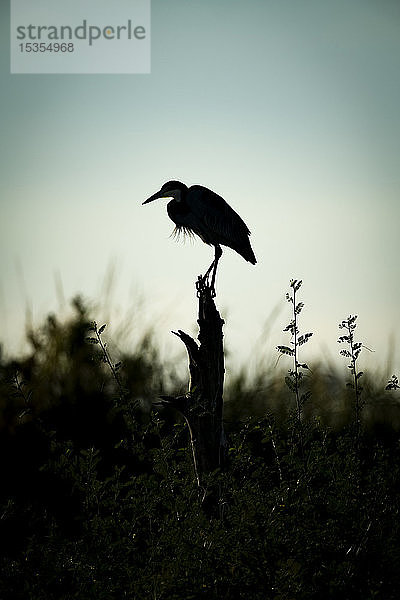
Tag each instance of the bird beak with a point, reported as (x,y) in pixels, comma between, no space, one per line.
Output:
(161,196)
(153,197)
(158,195)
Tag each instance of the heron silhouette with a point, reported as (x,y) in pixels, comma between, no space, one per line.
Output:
(198,210)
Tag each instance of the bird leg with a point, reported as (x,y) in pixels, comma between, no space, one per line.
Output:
(203,280)
(218,254)
(207,273)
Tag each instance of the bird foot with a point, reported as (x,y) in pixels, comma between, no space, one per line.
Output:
(202,284)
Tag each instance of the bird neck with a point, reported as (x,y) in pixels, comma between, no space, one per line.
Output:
(178,210)
(177,195)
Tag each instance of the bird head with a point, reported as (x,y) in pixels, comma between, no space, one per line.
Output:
(170,190)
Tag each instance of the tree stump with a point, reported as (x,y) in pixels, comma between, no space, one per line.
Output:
(202,406)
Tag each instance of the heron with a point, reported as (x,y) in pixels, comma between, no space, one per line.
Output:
(198,210)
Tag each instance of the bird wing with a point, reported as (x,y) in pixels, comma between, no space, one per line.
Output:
(217,222)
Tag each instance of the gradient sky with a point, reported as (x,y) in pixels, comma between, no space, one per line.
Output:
(288,109)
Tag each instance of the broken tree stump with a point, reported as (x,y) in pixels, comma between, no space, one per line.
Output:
(202,406)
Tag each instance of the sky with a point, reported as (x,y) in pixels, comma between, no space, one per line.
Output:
(287,109)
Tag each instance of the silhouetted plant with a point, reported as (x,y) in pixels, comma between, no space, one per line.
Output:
(295,375)
(25,395)
(88,510)
(114,367)
(393,383)
(353,353)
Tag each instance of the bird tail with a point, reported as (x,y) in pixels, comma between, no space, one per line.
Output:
(248,254)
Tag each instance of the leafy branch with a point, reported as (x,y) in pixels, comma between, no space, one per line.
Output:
(19,385)
(393,383)
(295,375)
(353,353)
(106,357)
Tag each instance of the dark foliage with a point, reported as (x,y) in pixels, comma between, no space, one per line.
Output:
(98,498)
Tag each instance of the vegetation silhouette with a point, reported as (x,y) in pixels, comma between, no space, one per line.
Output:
(98,498)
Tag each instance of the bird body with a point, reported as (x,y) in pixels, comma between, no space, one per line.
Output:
(201,211)
(211,218)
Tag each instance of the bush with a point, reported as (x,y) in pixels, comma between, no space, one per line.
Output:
(99,500)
